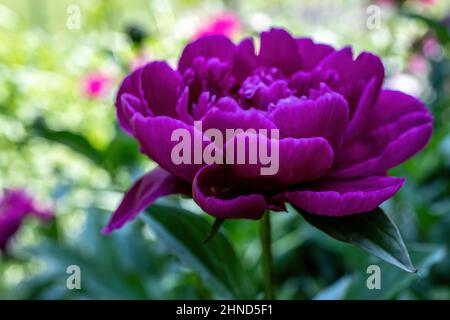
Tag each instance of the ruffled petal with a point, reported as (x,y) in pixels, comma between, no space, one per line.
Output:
(182,107)
(238,119)
(279,50)
(161,85)
(365,67)
(344,197)
(131,86)
(391,105)
(400,126)
(354,76)
(214,46)
(361,116)
(213,191)
(325,117)
(129,105)
(296,160)
(144,192)
(244,61)
(312,53)
(155,137)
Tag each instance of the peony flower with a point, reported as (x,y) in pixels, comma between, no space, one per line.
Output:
(15,205)
(226,24)
(95,85)
(339,130)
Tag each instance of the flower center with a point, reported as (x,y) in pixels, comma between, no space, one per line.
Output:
(260,79)
(263,87)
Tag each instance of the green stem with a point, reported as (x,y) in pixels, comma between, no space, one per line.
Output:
(267,264)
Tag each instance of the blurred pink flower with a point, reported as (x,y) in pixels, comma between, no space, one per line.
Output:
(226,23)
(431,48)
(428,1)
(95,85)
(15,205)
(418,64)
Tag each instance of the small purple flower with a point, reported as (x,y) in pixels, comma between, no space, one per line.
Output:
(15,205)
(340,131)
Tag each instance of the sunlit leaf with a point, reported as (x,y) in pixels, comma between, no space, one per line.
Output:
(76,142)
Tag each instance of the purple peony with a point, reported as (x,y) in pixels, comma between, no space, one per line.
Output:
(15,205)
(339,130)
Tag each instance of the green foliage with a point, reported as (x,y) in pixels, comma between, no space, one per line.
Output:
(373,231)
(67,149)
(215,260)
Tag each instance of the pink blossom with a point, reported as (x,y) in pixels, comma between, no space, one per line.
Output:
(418,64)
(226,23)
(95,85)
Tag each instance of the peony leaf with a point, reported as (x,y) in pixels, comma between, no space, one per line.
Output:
(214,229)
(74,141)
(393,281)
(373,231)
(216,261)
(442,33)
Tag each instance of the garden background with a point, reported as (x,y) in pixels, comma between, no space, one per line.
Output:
(59,140)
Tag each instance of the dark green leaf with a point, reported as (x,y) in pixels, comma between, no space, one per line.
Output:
(373,231)
(439,28)
(214,229)
(394,281)
(72,140)
(335,291)
(215,261)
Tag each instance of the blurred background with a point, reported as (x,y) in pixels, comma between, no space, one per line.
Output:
(60,64)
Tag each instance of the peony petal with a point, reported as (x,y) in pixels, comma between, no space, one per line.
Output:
(129,105)
(400,126)
(312,53)
(131,86)
(244,61)
(154,135)
(144,192)
(182,107)
(228,104)
(354,76)
(160,84)
(344,197)
(238,119)
(396,152)
(361,116)
(213,191)
(365,67)
(297,160)
(214,46)
(325,117)
(391,105)
(279,50)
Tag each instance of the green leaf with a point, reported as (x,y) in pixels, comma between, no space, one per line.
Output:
(72,140)
(394,281)
(439,28)
(373,231)
(215,261)
(214,229)
(336,291)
